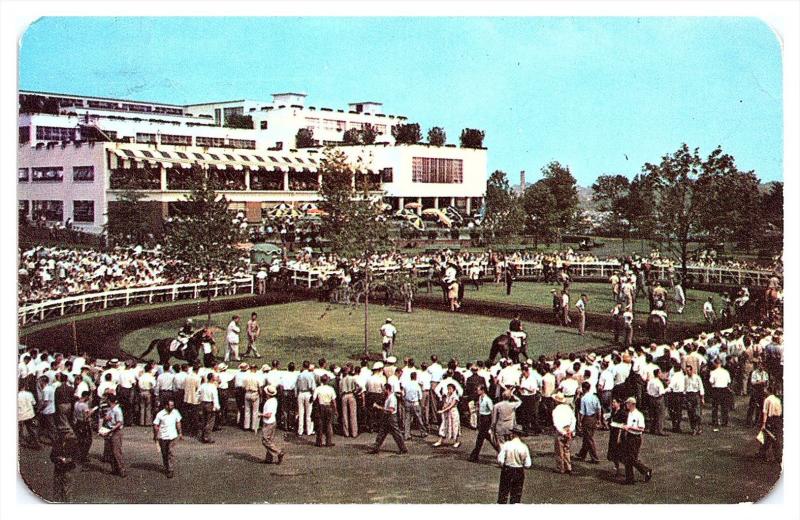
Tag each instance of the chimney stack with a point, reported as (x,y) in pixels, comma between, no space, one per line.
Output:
(522,181)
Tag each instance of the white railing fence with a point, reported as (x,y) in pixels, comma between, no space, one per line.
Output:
(81,303)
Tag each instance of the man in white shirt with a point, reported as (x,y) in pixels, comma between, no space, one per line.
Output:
(324,398)
(655,394)
(269,423)
(388,335)
(25,416)
(581,306)
(634,428)
(232,338)
(513,457)
(708,311)
(209,399)
(165,385)
(694,393)
(720,381)
(564,422)
(166,429)
(146,384)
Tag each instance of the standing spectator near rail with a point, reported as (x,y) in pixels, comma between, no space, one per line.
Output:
(253,332)
(232,337)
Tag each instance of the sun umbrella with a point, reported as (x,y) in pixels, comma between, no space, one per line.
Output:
(316,211)
(308,206)
(413,205)
(431,211)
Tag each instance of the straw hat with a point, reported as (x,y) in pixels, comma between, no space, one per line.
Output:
(243,366)
(377,365)
(630,400)
(391,360)
(559,398)
(271,390)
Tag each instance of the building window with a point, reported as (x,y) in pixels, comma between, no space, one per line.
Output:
(23,208)
(357,126)
(145,138)
(176,139)
(83,173)
(264,125)
(49,210)
(23,175)
(387,175)
(242,143)
(381,129)
(24,134)
(83,211)
(54,133)
(47,174)
(216,142)
(436,170)
(233,111)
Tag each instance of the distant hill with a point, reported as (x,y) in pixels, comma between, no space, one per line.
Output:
(585,201)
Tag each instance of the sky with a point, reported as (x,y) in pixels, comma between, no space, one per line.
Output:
(601,95)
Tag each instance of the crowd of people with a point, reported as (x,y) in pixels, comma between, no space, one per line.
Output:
(68,400)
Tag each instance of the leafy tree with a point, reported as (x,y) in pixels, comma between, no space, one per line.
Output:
(351,136)
(350,220)
(562,186)
(504,216)
(407,133)
(539,205)
(772,208)
(638,207)
(610,192)
(305,138)
(204,235)
(239,121)
(130,219)
(472,138)
(437,136)
(368,134)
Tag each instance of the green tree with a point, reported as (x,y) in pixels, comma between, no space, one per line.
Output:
(239,121)
(368,134)
(610,193)
(437,136)
(351,136)
(130,218)
(472,138)
(562,186)
(772,209)
(350,221)
(407,133)
(504,216)
(203,236)
(539,205)
(305,138)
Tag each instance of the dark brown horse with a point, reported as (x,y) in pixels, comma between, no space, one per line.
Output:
(190,354)
(506,347)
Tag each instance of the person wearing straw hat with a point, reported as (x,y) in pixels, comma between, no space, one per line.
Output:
(513,457)
(269,420)
(564,423)
(388,336)
(632,444)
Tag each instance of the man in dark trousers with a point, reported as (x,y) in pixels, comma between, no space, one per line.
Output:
(589,415)
(634,428)
(513,458)
(484,407)
(510,274)
(63,458)
(389,425)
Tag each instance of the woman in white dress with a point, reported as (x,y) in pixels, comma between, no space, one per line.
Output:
(450,428)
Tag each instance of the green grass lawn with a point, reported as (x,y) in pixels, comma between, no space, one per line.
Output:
(310,330)
(600,298)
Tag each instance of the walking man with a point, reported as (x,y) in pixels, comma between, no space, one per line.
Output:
(167,429)
(485,406)
(634,427)
(412,397)
(388,336)
(209,403)
(564,423)
(590,412)
(389,424)
(253,332)
(269,426)
(111,428)
(581,306)
(514,457)
(232,337)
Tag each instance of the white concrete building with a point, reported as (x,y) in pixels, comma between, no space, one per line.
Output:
(71,162)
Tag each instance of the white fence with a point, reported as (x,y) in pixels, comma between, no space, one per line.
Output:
(81,303)
(529,268)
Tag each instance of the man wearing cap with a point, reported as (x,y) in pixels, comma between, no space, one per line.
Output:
(634,428)
(389,424)
(564,423)
(513,457)
(269,422)
(388,335)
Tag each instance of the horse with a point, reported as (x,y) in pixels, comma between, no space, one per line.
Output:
(190,354)
(506,347)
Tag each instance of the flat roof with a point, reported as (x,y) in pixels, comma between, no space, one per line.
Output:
(365,103)
(289,94)
(38,92)
(216,102)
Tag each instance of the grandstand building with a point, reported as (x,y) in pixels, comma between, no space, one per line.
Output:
(75,154)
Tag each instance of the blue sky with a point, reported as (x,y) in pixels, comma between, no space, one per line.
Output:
(582,91)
